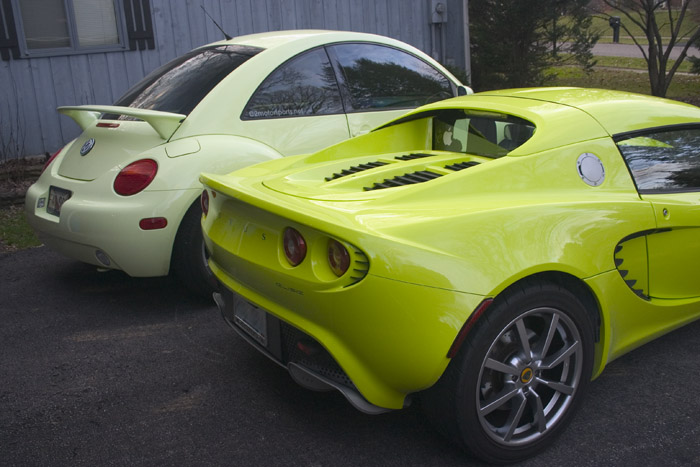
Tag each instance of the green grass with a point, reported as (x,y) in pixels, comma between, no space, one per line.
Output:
(601,25)
(637,63)
(682,87)
(15,233)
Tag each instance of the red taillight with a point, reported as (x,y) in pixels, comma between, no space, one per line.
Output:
(48,162)
(338,257)
(153,223)
(294,246)
(205,202)
(135,177)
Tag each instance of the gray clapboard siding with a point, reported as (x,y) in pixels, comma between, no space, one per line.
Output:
(32,88)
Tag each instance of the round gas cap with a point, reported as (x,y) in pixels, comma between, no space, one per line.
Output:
(590,169)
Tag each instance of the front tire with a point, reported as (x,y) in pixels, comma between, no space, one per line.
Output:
(189,260)
(519,376)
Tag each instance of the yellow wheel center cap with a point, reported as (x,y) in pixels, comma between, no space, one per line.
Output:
(526,375)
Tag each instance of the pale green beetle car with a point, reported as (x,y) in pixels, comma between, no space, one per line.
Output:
(125,194)
(491,253)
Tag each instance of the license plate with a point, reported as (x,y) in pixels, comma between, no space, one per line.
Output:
(57,196)
(251,319)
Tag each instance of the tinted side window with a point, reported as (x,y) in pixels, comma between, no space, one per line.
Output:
(380,77)
(485,135)
(303,86)
(180,84)
(663,161)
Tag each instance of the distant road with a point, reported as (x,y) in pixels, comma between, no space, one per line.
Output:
(631,50)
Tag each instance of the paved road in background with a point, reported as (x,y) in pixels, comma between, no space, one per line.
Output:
(102,369)
(631,50)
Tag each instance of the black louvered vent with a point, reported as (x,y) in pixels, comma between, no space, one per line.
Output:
(139,24)
(409,157)
(461,165)
(405,179)
(355,169)
(371,165)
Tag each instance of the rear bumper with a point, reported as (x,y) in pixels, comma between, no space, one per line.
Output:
(96,223)
(384,339)
(314,369)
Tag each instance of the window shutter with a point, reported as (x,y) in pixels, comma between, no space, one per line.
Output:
(139,24)
(9,44)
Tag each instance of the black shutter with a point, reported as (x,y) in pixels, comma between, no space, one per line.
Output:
(9,44)
(139,24)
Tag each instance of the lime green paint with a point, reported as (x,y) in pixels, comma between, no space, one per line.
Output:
(436,249)
(212,138)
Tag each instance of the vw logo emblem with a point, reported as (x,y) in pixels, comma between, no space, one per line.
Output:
(87,146)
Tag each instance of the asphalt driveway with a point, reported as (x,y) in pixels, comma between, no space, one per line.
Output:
(102,369)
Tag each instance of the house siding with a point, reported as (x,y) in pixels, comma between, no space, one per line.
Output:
(32,88)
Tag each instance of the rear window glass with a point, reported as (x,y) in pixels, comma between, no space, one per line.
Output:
(483,133)
(663,161)
(383,78)
(181,84)
(303,86)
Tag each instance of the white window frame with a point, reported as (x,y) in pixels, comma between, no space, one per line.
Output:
(75,48)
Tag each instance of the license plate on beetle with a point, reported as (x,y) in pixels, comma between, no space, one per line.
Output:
(250,318)
(57,196)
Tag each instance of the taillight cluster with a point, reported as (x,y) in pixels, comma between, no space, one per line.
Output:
(338,257)
(295,249)
(135,177)
(294,246)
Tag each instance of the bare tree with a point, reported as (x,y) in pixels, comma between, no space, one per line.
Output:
(12,127)
(642,13)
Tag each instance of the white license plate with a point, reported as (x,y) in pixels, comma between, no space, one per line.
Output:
(251,319)
(57,196)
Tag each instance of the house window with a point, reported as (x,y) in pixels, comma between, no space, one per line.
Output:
(60,27)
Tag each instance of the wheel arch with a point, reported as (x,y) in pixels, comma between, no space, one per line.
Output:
(584,293)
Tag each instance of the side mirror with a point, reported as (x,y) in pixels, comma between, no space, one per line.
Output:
(464,90)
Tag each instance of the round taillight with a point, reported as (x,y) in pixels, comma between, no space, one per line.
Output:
(48,162)
(205,202)
(294,246)
(338,257)
(135,177)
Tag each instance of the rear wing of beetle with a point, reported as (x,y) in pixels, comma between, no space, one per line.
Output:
(164,123)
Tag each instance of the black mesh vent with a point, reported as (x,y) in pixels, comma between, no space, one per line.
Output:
(299,348)
(461,165)
(355,169)
(405,179)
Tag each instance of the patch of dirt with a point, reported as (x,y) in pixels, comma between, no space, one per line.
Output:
(16,176)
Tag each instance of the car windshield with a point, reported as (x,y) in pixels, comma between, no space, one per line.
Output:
(481,133)
(181,84)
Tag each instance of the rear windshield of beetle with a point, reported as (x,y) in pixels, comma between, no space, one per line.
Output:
(181,84)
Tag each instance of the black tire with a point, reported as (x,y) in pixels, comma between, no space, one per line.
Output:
(189,259)
(503,400)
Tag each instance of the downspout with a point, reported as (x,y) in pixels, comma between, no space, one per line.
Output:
(467,41)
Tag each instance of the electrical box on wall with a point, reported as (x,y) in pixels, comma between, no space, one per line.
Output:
(438,11)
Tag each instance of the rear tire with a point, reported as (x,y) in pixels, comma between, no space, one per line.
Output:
(189,260)
(519,377)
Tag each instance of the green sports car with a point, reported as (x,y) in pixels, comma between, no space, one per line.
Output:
(488,253)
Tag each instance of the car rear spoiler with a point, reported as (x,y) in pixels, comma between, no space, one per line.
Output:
(165,123)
